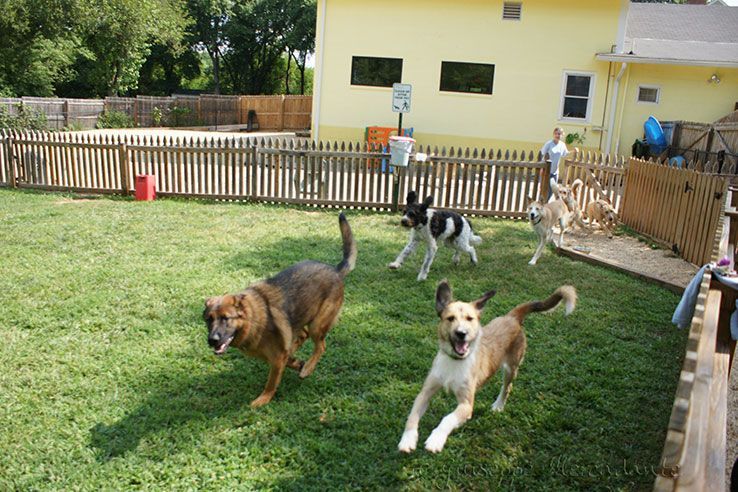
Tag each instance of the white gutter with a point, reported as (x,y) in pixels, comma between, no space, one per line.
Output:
(318,76)
(613,107)
(614,57)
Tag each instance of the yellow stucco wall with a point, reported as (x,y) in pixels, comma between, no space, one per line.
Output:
(685,95)
(530,57)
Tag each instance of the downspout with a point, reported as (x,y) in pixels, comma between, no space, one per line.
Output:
(621,113)
(318,75)
(613,106)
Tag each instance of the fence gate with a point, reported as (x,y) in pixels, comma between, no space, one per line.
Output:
(676,206)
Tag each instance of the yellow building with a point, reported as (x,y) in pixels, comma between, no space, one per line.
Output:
(490,73)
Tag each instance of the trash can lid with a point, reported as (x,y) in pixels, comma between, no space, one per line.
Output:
(402,139)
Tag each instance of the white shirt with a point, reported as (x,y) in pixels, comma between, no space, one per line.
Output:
(555,152)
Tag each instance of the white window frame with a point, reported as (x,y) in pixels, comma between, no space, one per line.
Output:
(590,98)
(646,86)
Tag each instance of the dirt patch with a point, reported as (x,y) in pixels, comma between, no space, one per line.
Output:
(636,254)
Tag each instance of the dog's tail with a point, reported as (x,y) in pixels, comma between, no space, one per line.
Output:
(567,293)
(349,247)
(576,186)
(474,239)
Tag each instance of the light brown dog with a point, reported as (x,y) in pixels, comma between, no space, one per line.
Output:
(273,318)
(601,211)
(570,196)
(543,218)
(469,355)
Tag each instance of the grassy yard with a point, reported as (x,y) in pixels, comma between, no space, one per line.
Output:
(107,382)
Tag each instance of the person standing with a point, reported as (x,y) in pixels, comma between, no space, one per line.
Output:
(553,151)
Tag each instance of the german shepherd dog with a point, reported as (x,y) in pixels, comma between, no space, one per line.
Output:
(543,217)
(469,355)
(272,318)
(434,226)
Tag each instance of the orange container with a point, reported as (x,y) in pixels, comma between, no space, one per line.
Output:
(145,187)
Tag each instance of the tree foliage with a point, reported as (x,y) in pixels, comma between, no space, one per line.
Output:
(92,48)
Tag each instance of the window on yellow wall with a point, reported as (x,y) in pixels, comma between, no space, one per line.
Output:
(474,78)
(376,72)
(576,97)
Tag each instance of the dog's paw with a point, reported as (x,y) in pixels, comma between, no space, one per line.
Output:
(408,442)
(422,277)
(498,406)
(394,265)
(456,259)
(261,401)
(532,262)
(435,442)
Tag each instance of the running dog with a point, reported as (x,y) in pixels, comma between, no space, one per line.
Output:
(272,318)
(544,217)
(570,196)
(469,355)
(601,210)
(434,226)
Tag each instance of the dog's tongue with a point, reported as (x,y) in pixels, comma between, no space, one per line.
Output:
(220,349)
(461,347)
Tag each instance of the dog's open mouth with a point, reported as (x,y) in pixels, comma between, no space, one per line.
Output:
(461,347)
(221,349)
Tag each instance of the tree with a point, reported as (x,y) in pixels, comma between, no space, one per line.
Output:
(119,35)
(39,43)
(210,18)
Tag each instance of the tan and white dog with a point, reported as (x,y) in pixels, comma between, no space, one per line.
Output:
(469,355)
(601,211)
(570,196)
(543,217)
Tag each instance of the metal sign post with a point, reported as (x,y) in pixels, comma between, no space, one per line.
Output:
(401,94)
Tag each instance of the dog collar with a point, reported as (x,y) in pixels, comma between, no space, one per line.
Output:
(540,217)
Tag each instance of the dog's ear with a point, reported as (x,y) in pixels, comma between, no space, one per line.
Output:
(239,304)
(529,200)
(443,296)
(412,197)
(212,301)
(479,303)
(427,202)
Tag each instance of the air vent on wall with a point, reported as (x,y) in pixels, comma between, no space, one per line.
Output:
(648,94)
(512,10)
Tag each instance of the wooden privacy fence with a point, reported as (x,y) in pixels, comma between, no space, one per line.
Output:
(288,171)
(676,206)
(272,112)
(712,147)
(694,454)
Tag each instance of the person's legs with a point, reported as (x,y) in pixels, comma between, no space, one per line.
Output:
(550,191)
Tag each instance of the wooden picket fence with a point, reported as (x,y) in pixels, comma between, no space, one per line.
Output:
(676,206)
(287,171)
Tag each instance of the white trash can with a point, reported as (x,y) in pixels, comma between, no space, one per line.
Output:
(400,148)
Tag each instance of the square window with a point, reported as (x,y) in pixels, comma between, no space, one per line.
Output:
(377,72)
(474,78)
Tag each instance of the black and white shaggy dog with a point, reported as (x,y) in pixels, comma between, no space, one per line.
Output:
(434,226)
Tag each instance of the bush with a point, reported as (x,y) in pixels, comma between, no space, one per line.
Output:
(114,119)
(179,116)
(25,119)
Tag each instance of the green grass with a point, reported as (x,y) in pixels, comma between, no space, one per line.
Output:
(107,382)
